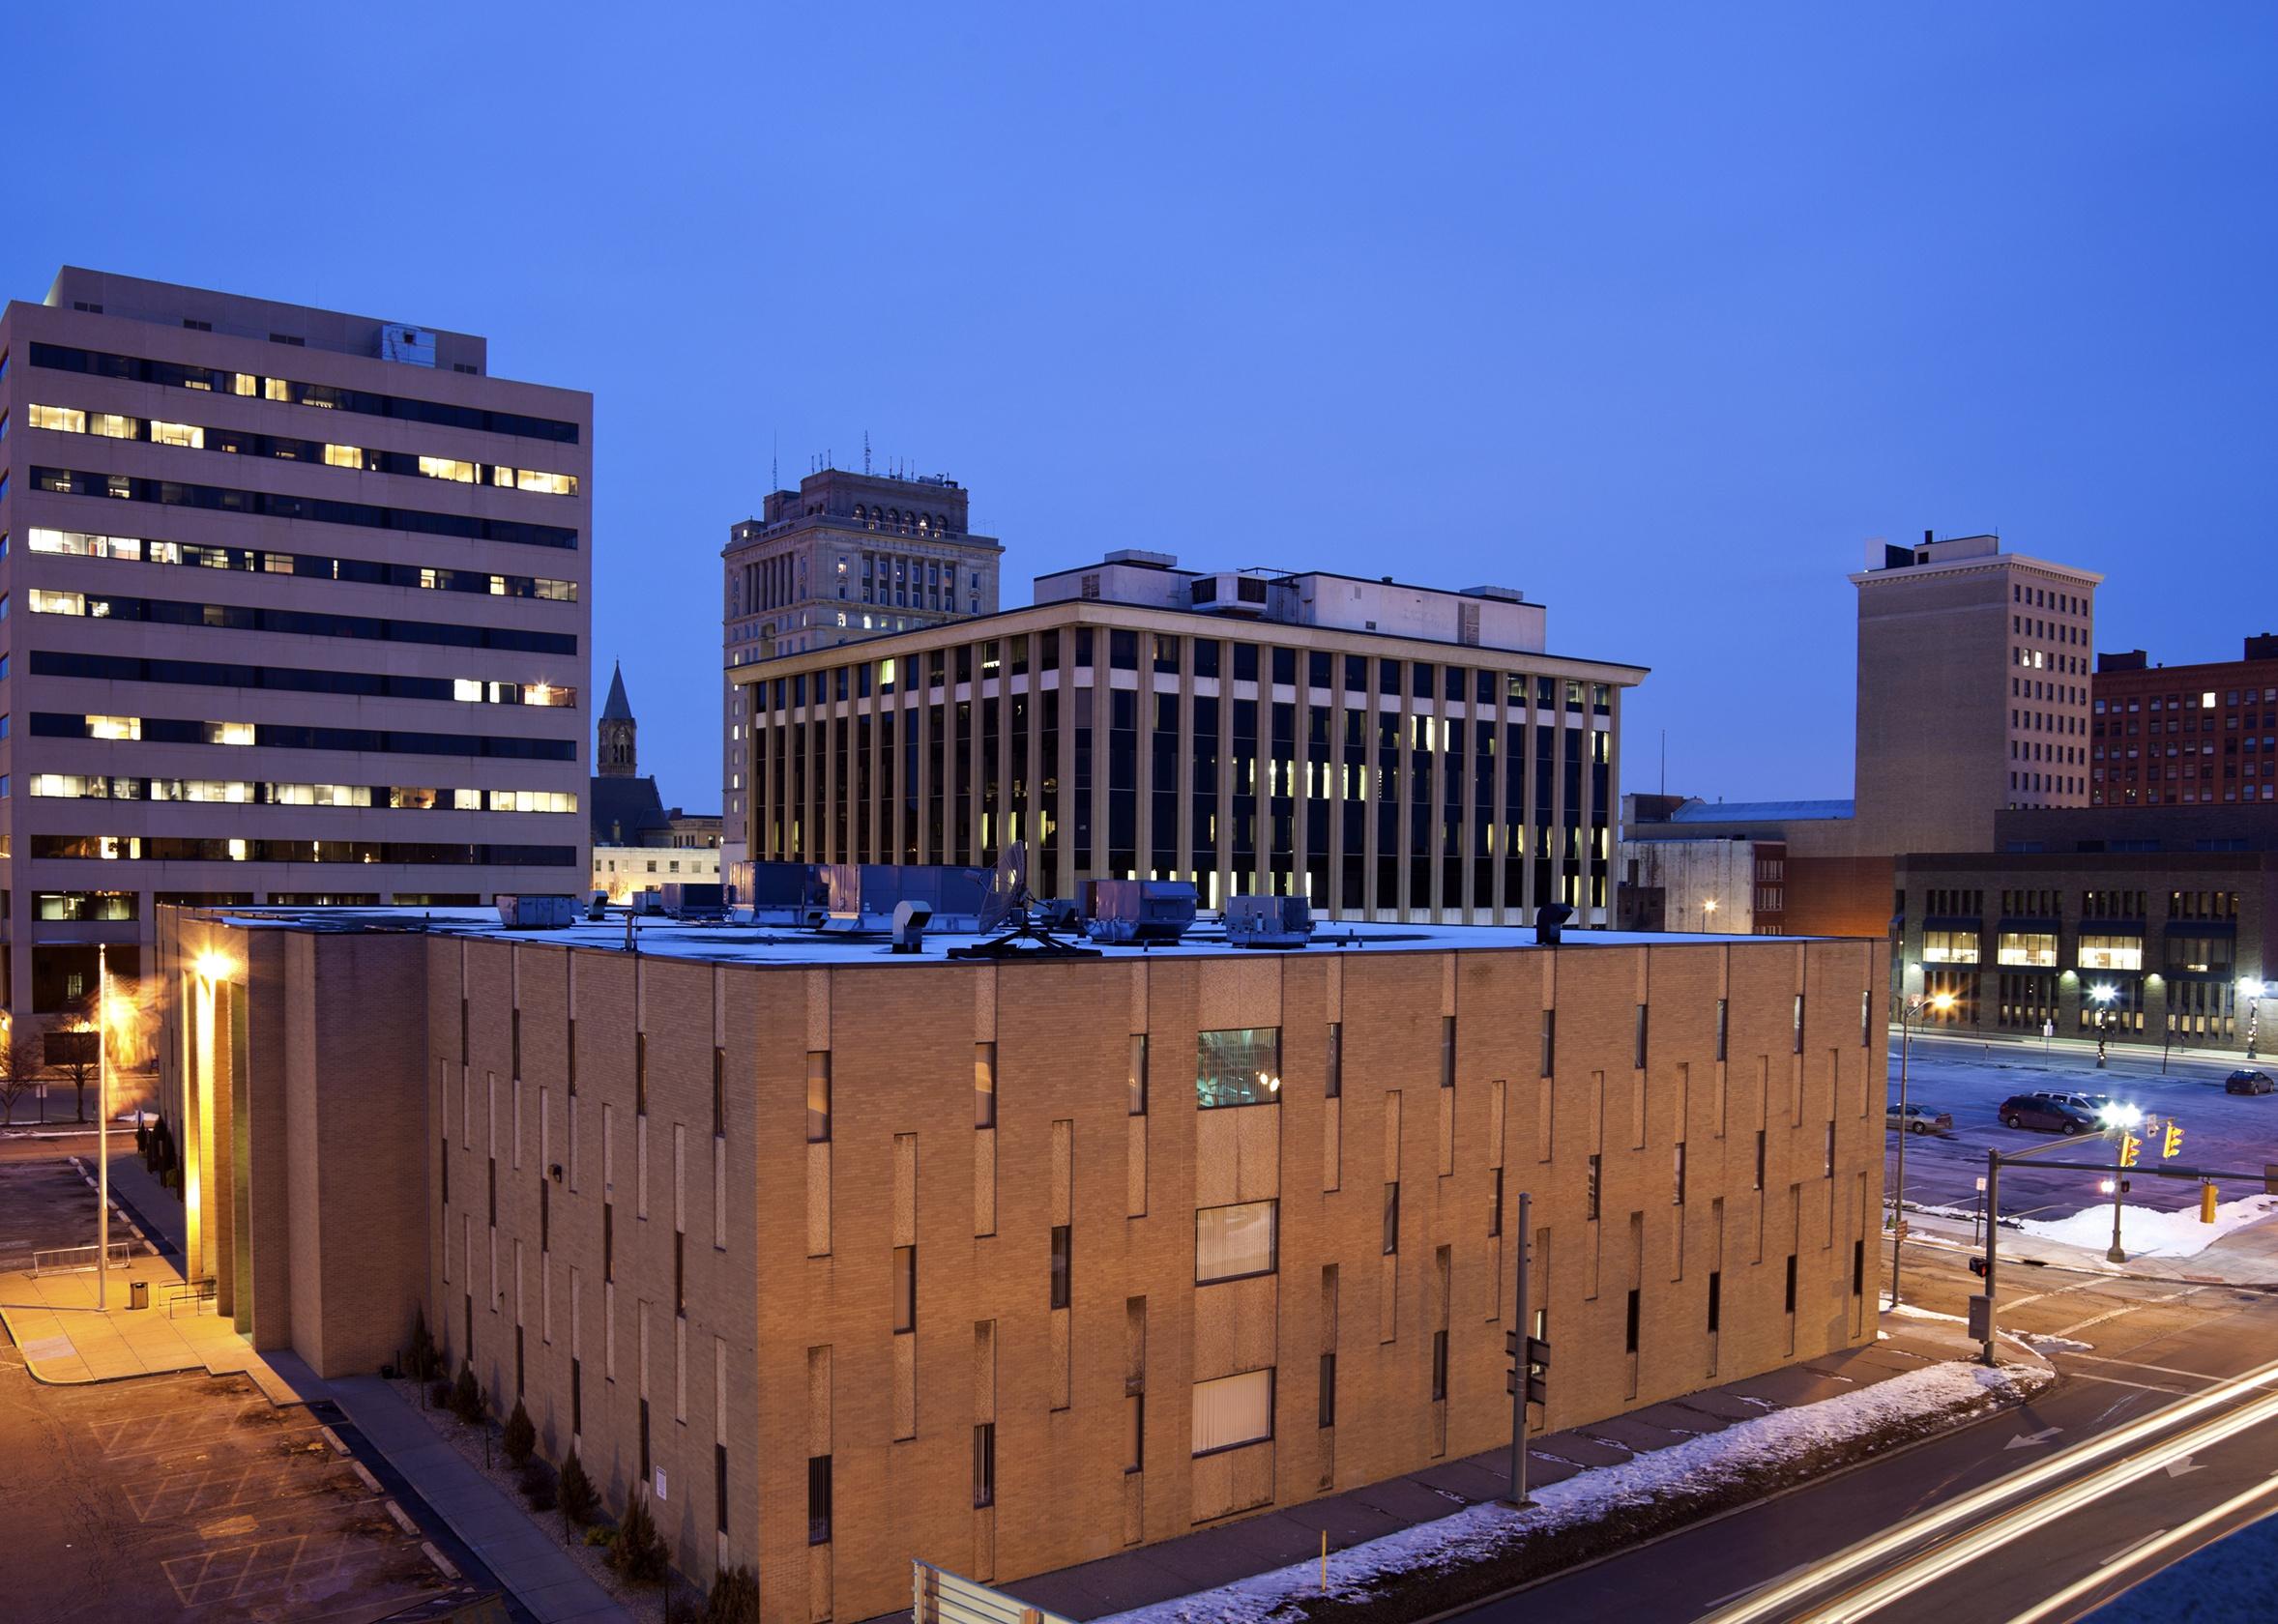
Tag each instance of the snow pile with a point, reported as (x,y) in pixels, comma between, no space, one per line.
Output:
(1696,1465)
(2148,1232)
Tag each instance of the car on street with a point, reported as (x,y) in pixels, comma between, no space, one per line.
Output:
(1919,1118)
(2047,1113)
(2249,1083)
(2093,1104)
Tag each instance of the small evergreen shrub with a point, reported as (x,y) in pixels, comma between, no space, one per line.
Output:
(580,1503)
(520,1436)
(466,1398)
(639,1553)
(735,1597)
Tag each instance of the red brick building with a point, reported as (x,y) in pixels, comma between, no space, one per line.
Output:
(2185,734)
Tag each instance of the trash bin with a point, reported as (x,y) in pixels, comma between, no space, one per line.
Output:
(138,1293)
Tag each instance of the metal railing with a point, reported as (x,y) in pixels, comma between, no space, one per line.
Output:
(194,1293)
(939,1596)
(74,1259)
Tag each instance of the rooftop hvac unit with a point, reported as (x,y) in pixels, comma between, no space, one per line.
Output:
(1140,911)
(695,900)
(1268,921)
(535,913)
(1550,922)
(414,346)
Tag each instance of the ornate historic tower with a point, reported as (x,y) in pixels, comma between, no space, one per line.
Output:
(617,755)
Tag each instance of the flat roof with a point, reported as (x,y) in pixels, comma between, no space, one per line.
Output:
(1758,811)
(782,946)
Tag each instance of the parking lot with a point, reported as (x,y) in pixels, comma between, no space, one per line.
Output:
(1970,1080)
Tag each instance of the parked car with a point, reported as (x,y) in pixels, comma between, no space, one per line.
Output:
(2047,1113)
(2093,1104)
(2248,1083)
(1919,1118)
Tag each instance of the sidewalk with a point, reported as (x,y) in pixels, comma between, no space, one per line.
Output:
(1254,1546)
(524,1558)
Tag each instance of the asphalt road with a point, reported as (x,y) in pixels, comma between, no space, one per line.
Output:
(2125,1350)
(1970,1079)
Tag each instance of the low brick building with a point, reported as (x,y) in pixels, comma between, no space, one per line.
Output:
(855,1257)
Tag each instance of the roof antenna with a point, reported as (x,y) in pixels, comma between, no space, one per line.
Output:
(775,460)
(865,451)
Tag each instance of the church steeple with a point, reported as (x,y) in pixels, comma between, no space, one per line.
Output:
(617,756)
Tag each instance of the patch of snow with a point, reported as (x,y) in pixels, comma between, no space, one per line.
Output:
(1752,1399)
(2056,1343)
(1915,1311)
(1484,1530)
(2148,1231)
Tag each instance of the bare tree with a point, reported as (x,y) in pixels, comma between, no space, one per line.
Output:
(74,1047)
(22,1063)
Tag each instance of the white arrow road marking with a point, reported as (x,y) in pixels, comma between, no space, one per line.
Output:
(2177,1469)
(2024,1440)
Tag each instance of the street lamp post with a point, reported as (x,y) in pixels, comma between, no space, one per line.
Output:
(2103,995)
(102,1131)
(2250,990)
(1909,1011)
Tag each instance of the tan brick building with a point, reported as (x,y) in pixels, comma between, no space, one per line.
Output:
(1010,1265)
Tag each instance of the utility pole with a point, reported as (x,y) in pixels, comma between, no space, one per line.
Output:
(1993,1229)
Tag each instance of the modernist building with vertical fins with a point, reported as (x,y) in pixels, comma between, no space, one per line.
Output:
(851,1257)
(1387,751)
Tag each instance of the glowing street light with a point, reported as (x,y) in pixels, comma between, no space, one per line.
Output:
(2103,993)
(1909,1011)
(2250,992)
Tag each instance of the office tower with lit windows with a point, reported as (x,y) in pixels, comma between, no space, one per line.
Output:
(293,608)
(845,557)
(1973,677)
(1390,751)
(2199,735)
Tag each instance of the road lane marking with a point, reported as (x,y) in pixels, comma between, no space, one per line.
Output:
(2136,1554)
(2139,1364)
(2139,1386)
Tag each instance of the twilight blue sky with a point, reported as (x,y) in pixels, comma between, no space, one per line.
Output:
(1656,311)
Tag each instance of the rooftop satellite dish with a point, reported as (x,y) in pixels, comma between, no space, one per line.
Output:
(1007,889)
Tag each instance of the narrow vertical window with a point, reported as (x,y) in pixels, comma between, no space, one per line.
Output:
(1827,1171)
(1136,1079)
(1866,1016)
(1759,1184)
(818,1096)
(1060,1265)
(446,1165)
(640,1074)
(1439,1365)
(1676,1175)
(905,1290)
(1333,1086)
(720,1093)
(608,1240)
(1791,1308)
(1392,1219)
(1858,1267)
(1494,1204)
(1799,1047)
(984,1084)
(1724,1010)
(1447,1051)
(818,1500)
(680,1272)
(1631,1333)
(1549,1042)
(1638,1039)
(517,1043)
(1715,1298)
(1590,1193)
(1329,1389)
(719,1486)
(984,1463)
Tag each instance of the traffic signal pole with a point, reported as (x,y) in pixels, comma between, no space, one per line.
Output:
(1524,1334)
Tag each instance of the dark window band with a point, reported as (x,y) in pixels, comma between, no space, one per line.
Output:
(303,623)
(278,678)
(273,504)
(404,408)
(279,735)
(147,848)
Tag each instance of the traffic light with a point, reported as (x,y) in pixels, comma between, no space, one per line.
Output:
(2207,1204)
(1977,1265)
(2129,1145)
(2172,1144)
